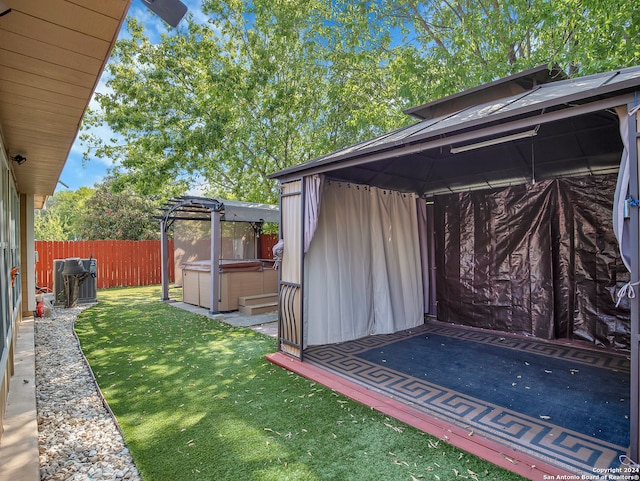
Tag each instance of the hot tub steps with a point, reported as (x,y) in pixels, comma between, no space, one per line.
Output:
(259,304)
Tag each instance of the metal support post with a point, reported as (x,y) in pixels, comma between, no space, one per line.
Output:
(214,294)
(634,448)
(164,255)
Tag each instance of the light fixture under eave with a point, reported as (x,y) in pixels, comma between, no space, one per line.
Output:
(19,159)
(499,140)
(171,11)
(4,9)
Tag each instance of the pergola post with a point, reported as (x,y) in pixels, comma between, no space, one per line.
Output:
(634,218)
(214,286)
(164,255)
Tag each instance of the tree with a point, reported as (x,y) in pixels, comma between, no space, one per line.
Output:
(470,42)
(119,215)
(48,226)
(60,217)
(271,83)
(267,84)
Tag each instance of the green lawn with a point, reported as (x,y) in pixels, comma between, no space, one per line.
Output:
(198,401)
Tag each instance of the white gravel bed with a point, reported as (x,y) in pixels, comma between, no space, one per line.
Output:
(78,437)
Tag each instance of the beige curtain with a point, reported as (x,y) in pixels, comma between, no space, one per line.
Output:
(313,196)
(362,271)
(291,232)
(620,226)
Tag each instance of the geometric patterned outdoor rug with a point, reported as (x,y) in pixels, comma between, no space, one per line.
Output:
(565,405)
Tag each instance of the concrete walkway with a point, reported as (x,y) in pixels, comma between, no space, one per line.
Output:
(265,323)
(19,444)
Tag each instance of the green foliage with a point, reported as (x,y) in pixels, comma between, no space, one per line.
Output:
(466,43)
(119,215)
(108,211)
(48,225)
(61,216)
(197,400)
(271,83)
(263,86)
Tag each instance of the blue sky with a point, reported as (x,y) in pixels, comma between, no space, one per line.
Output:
(74,174)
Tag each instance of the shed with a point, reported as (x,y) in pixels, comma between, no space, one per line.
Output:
(234,250)
(493,210)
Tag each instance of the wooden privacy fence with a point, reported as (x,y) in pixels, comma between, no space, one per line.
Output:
(118,263)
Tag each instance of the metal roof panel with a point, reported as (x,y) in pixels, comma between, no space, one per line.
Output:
(567,93)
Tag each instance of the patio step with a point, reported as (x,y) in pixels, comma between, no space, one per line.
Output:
(258,299)
(258,308)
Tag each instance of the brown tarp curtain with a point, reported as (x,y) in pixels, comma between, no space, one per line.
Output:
(538,260)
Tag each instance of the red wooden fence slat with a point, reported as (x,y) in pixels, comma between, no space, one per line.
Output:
(140,257)
(100,264)
(117,269)
(126,264)
(129,259)
(105,262)
(145,267)
(147,273)
(267,241)
(153,257)
(129,256)
(122,264)
(130,253)
(113,266)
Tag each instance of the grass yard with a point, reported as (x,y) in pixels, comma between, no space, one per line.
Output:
(197,400)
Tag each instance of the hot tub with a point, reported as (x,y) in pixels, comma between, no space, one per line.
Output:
(238,278)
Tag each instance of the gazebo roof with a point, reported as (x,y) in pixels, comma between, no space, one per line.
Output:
(552,129)
(200,208)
